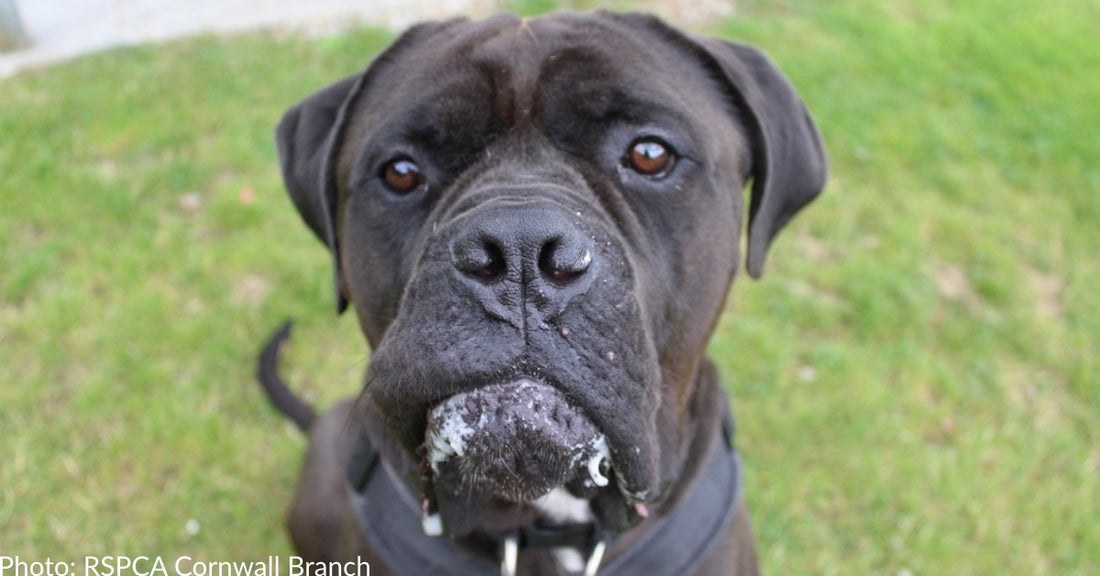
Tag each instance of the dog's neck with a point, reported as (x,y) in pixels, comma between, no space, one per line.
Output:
(702,426)
(561,507)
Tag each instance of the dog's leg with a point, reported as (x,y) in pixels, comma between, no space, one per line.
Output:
(318,516)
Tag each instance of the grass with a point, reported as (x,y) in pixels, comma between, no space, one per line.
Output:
(914,378)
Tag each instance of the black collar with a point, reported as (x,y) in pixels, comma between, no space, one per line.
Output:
(389,517)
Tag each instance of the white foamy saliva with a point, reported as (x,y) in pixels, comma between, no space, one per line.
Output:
(448,431)
(432,525)
(599,453)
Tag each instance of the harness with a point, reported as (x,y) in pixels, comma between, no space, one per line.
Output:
(389,516)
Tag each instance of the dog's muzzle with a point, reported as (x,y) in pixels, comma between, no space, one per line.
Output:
(519,362)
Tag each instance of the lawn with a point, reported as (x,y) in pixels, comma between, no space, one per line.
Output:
(915,377)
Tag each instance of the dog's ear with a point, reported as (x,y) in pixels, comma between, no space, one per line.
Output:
(303,139)
(789,166)
(307,137)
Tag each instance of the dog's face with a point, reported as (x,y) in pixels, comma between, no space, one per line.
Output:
(536,222)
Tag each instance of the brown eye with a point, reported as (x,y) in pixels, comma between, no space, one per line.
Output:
(650,157)
(401,175)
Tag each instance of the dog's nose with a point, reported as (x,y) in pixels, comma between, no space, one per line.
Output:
(492,257)
(517,254)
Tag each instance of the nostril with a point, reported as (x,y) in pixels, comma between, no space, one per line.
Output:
(482,260)
(562,265)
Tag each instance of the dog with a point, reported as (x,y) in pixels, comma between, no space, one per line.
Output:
(536,222)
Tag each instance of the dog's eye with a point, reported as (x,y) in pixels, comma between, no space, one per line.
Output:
(401,175)
(650,157)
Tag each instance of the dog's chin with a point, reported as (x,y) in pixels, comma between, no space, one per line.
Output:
(492,453)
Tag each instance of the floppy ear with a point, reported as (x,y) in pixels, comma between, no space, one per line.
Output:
(307,138)
(789,166)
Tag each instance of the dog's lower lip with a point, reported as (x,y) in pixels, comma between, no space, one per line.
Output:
(516,440)
(599,463)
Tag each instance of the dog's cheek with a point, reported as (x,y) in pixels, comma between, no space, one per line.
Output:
(612,511)
(608,363)
(371,295)
(374,240)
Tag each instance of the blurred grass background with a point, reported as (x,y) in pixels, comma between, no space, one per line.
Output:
(915,378)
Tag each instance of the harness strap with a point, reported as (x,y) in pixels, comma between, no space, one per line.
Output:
(390,519)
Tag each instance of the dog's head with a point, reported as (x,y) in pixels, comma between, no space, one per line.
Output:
(536,222)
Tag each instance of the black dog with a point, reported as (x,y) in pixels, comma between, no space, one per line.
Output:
(536,222)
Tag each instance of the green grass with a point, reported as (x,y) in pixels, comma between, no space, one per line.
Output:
(137,286)
(942,295)
(914,378)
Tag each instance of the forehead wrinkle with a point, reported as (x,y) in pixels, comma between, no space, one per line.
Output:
(511,59)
